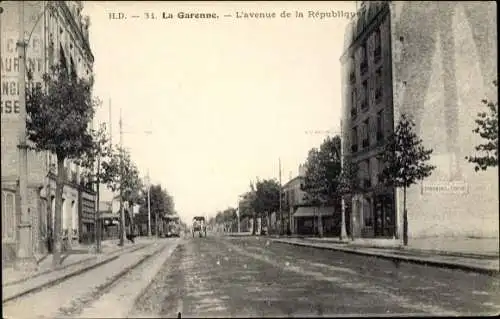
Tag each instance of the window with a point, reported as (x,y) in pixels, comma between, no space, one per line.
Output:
(366,129)
(354,139)
(377,53)
(380,168)
(364,103)
(379,85)
(380,125)
(367,214)
(8,216)
(368,178)
(353,104)
(363,67)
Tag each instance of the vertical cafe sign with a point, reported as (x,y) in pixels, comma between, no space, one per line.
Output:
(10,62)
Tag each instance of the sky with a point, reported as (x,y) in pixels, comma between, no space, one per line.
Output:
(224,99)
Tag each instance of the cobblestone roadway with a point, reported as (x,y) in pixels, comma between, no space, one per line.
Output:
(254,277)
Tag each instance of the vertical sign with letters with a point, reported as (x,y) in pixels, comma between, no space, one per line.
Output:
(35,61)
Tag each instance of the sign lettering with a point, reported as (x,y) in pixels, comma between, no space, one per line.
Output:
(10,66)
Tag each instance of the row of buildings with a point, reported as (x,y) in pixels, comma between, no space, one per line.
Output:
(434,61)
(57,32)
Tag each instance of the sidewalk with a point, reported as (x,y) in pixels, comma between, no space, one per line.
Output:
(483,261)
(460,247)
(78,255)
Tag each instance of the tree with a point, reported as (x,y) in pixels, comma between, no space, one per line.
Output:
(245,206)
(348,183)
(266,198)
(226,217)
(405,162)
(58,121)
(120,173)
(487,128)
(93,168)
(161,203)
(323,168)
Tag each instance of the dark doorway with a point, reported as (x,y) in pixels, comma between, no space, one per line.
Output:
(384,216)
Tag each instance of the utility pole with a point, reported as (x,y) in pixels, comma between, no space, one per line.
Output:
(98,213)
(149,205)
(122,212)
(281,211)
(110,126)
(343,230)
(25,256)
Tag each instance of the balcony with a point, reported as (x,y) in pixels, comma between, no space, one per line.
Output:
(378,94)
(352,78)
(366,143)
(377,54)
(354,148)
(354,113)
(363,67)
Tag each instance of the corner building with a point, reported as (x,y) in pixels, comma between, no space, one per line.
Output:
(56,33)
(434,61)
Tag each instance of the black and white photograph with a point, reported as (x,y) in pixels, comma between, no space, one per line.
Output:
(235,159)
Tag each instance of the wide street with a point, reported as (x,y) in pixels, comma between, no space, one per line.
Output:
(252,276)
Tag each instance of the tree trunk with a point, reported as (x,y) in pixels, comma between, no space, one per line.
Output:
(57,245)
(122,222)
(405,219)
(320,223)
(343,229)
(254,226)
(97,226)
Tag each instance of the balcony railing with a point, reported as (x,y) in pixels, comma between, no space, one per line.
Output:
(377,54)
(363,67)
(354,148)
(366,143)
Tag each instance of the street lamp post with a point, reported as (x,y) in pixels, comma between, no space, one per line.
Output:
(25,255)
(149,204)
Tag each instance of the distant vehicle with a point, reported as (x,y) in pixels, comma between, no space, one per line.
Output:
(173,227)
(199,225)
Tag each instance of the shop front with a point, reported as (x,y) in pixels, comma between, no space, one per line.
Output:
(374,214)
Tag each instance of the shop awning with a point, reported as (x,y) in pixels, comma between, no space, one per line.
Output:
(313,211)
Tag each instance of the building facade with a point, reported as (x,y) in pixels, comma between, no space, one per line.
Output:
(433,61)
(56,32)
(306,219)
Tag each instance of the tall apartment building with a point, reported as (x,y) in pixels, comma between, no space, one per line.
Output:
(433,61)
(56,33)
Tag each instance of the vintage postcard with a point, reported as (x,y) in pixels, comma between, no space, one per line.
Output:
(182,159)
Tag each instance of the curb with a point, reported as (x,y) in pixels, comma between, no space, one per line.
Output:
(402,249)
(7,284)
(109,284)
(77,272)
(395,258)
(145,288)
